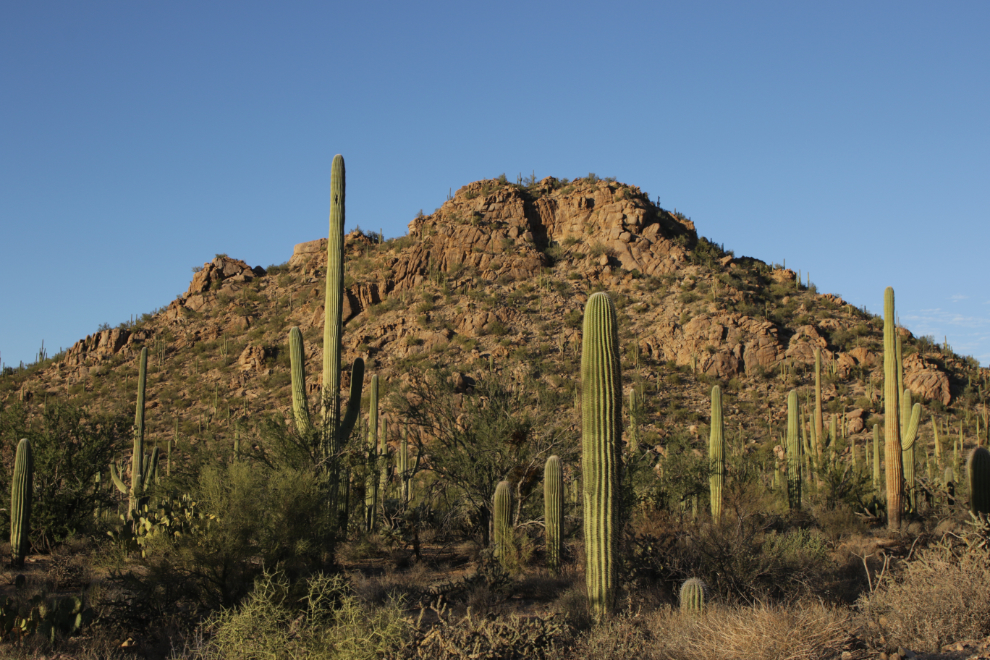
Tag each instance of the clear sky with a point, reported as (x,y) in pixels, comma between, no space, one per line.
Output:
(139,139)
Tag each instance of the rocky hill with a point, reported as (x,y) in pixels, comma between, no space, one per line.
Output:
(495,280)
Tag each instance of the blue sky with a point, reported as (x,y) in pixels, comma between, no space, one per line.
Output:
(138,139)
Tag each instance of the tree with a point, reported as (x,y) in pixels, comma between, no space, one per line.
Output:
(473,435)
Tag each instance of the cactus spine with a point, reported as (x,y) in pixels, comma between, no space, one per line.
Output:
(300,402)
(502,509)
(892,437)
(553,510)
(21,491)
(793,453)
(716,454)
(978,469)
(601,438)
(140,467)
(693,597)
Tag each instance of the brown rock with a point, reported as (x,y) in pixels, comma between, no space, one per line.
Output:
(926,380)
(252,358)
(220,269)
(855,421)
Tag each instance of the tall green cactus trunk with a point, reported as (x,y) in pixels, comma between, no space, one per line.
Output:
(371,480)
(601,438)
(819,418)
(21,492)
(634,406)
(140,471)
(793,453)
(553,511)
(891,424)
(716,454)
(335,429)
(502,511)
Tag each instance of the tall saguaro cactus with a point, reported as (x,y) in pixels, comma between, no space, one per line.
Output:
(337,429)
(793,453)
(21,486)
(891,425)
(334,429)
(601,438)
(502,510)
(553,510)
(140,465)
(716,454)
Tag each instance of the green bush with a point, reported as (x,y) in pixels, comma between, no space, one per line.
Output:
(70,448)
(319,618)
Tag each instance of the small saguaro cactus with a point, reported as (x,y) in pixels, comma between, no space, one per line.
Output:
(716,454)
(891,423)
(793,453)
(978,469)
(553,510)
(694,596)
(502,510)
(21,487)
(601,442)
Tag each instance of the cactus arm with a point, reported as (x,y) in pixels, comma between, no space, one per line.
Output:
(152,466)
(117,481)
(300,402)
(353,402)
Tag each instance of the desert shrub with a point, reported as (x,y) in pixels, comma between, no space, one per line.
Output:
(254,517)
(938,597)
(70,448)
(319,619)
(490,638)
(764,632)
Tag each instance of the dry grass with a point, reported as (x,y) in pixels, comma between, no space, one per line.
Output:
(939,597)
(806,631)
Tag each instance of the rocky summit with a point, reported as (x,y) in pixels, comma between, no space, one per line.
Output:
(496,278)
